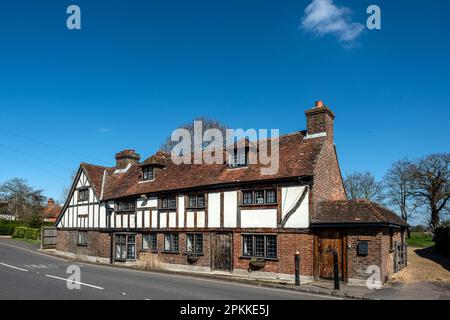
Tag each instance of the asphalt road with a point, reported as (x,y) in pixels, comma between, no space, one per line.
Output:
(28,274)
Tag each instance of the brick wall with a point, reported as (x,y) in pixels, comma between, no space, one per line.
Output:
(357,265)
(328,183)
(388,251)
(288,245)
(159,257)
(98,243)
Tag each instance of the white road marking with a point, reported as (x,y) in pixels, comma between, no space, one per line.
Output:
(101,266)
(17,268)
(77,282)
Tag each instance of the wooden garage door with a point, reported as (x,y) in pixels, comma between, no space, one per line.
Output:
(330,241)
(221,248)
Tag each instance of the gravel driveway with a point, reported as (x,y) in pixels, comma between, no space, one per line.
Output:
(426,277)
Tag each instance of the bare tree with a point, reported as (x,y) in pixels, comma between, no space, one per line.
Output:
(206,124)
(25,202)
(362,185)
(66,190)
(431,185)
(397,184)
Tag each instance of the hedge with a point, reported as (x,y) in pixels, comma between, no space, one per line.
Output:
(442,239)
(27,233)
(7,227)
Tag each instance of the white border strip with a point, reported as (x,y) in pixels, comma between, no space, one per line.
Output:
(72,281)
(17,268)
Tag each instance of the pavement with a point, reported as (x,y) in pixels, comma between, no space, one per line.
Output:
(26,273)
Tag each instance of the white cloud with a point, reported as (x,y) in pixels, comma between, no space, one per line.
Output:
(104,130)
(323,17)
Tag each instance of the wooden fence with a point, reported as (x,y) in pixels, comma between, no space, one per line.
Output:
(48,237)
(400,256)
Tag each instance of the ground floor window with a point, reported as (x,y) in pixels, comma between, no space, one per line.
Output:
(149,242)
(125,246)
(171,242)
(194,243)
(82,238)
(259,246)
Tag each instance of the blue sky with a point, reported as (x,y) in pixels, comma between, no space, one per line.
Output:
(137,69)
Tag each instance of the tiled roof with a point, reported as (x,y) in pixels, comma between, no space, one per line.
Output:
(354,211)
(159,159)
(51,211)
(297,158)
(95,175)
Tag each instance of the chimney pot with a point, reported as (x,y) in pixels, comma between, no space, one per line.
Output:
(319,103)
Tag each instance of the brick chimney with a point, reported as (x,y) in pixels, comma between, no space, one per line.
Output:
(126,157)
(319,121)
(50,202)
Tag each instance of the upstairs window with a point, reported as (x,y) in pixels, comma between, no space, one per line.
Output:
(148,173)
(197,201)
(83,194)
(238,158)
(168,203)
(126,205)
(259,197)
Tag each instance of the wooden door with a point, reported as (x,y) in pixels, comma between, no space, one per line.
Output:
(221,248)
(330,241)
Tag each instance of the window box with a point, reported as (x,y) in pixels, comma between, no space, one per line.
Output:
(256,264)
(192,258)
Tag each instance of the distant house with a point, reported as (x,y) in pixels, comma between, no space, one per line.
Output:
(51,212)
(5,213)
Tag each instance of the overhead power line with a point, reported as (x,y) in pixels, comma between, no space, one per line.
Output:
(35,157)
(33,166)
(49,145)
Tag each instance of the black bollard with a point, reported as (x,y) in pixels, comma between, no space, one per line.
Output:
(297,268)
(336,270)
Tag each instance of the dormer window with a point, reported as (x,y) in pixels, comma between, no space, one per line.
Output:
(239,158)
(148,173)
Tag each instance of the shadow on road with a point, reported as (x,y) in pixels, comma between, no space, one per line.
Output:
(431,254)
